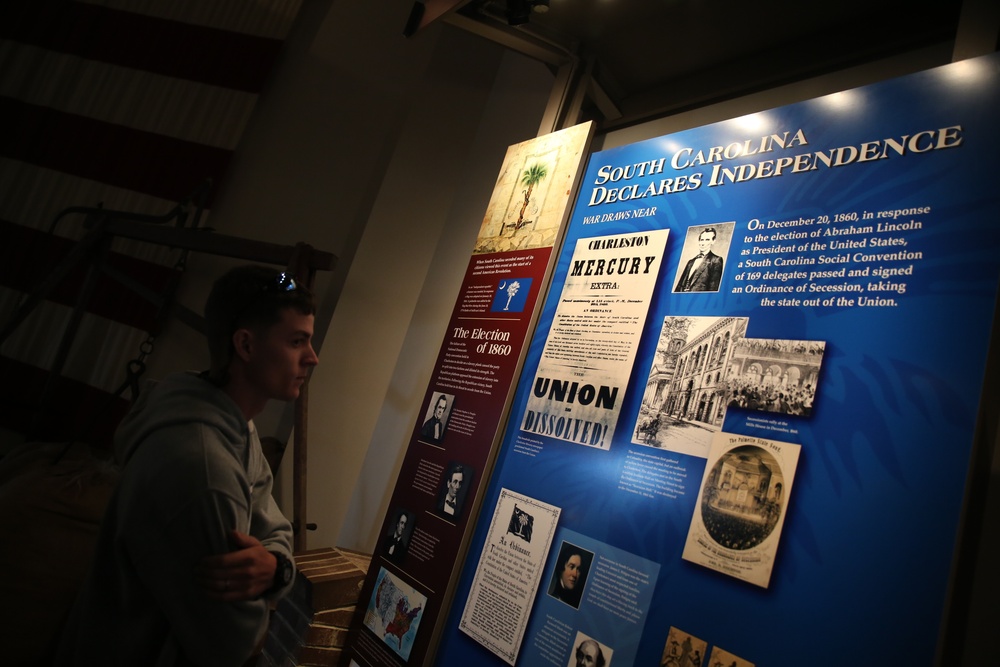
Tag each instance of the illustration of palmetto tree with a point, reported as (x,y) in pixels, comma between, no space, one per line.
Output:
(531,177)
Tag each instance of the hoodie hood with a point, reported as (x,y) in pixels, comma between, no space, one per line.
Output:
(180,398)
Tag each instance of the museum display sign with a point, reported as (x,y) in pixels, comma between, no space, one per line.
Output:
(749,407)
(453,443)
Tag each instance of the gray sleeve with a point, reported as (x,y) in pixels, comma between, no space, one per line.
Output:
(208,631)
(267,523)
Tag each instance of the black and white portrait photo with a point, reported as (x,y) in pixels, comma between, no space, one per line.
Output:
(702,260)
(436,418)
(397,537)
(457,479)
(588,652)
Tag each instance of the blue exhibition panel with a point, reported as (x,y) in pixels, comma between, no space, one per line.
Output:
(862,228)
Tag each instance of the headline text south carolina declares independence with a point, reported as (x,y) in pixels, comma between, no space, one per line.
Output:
(638,181)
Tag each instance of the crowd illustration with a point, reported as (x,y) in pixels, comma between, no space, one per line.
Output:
(765,394)
(738,532)
(740,519)
(770,387)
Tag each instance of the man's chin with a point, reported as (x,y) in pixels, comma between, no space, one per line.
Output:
(290,394)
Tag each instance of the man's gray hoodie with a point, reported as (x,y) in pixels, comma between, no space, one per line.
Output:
(192,470)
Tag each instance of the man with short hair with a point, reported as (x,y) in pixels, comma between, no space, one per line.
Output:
(703,272)
(449,504)
(395,545)
(193,550)
(568,576)
(433,428)
(589,654)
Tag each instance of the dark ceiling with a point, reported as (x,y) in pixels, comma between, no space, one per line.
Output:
(652,57)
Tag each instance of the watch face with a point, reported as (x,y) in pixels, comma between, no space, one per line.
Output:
(283,572)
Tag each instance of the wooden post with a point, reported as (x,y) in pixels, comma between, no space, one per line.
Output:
(300,266)
(299,460)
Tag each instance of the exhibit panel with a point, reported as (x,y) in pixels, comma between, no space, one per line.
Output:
(751,397)
(452,445)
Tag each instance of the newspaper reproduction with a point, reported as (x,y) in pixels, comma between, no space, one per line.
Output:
(579,386)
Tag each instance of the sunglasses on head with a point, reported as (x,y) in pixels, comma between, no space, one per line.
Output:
(284,282)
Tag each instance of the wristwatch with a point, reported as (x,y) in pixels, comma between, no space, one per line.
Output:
(283,571)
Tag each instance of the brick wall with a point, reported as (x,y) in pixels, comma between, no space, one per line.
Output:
(309,627)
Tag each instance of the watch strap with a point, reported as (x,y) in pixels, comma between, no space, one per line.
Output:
(283,571)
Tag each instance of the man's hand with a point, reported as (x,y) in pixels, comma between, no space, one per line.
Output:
(244,573)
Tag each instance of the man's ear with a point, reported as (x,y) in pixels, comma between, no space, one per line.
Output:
(243,343)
